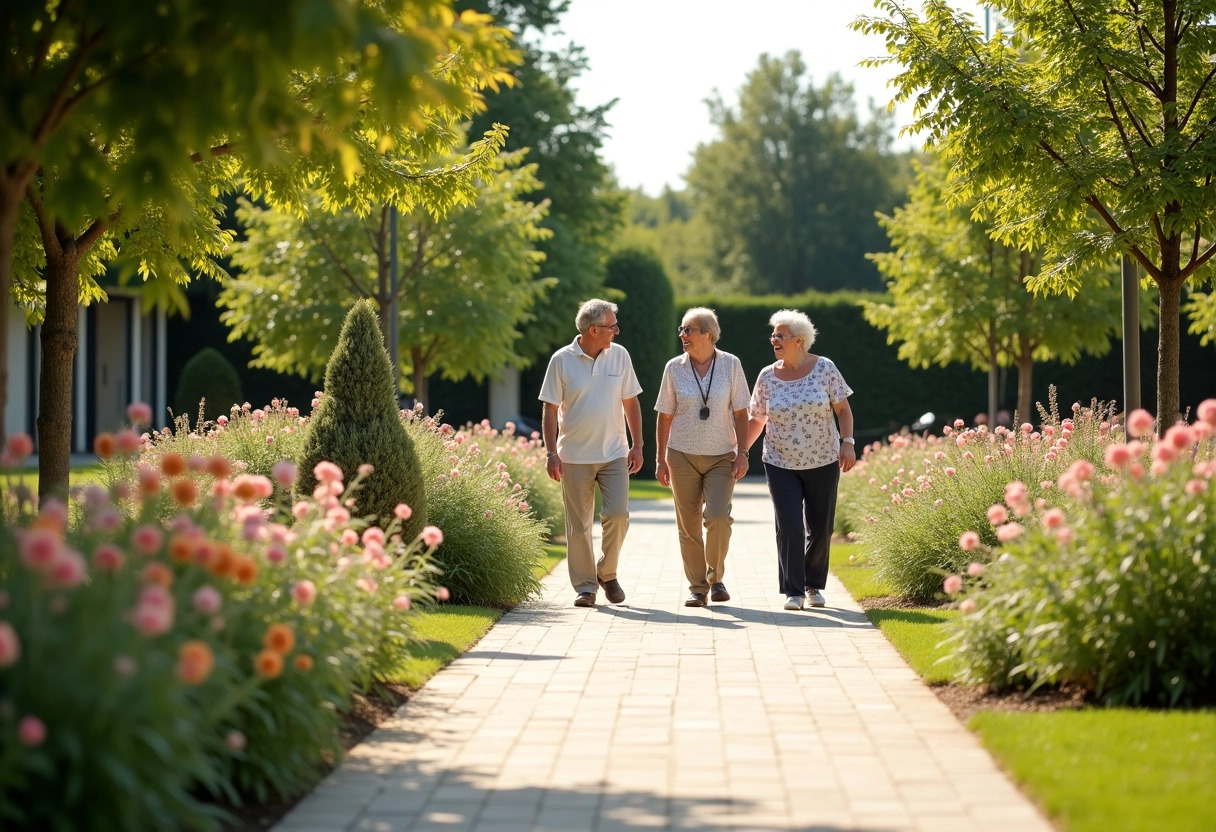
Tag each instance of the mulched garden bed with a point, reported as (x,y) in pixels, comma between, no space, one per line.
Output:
(365,715)
(965,702)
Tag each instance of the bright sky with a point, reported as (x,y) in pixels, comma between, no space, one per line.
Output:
(663,58)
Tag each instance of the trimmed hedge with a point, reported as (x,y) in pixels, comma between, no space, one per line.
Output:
(210,378)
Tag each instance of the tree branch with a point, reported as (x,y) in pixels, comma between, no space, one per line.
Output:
(219,150)
(1149,267)
(354,282)
(1197,96)
(1198,262)
(99,227)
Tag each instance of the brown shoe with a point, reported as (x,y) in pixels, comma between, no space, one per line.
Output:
(585,599)
(718,593)
(613,591)
(696,599)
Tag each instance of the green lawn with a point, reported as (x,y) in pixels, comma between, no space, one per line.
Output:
(850,565)
(78,475)
(1111,770)
(647,490)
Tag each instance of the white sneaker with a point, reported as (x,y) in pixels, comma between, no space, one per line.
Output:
(814,598)
(793,602)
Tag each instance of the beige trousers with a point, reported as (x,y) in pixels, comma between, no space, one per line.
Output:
(578,493)
(702,487)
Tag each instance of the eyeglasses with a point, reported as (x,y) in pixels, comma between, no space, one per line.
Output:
(688,330)
(614,326)
(779,338)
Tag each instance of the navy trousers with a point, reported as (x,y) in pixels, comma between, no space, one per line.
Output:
(804,507)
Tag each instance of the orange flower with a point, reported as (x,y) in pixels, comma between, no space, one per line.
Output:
(181,548)
(279,638)
(194,662)
(184,492)
(173,465)
(268,664)
(223,562)
(103,445)
(158,573)
(245,572)
(245,490)
(219,467)
(303,662)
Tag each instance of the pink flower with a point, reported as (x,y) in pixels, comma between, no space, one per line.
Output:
(1139,422)
(146,539)
(373,534)
(31,732)
(235,741)
(1008,531)
(975,569)
(125,666)
(1118,456)
(40,548)
(107,558)
(140,413)
(276,553)
(221,421)
(349,537)
(153,613)
(10,645)
(967,606)
(327,472)
(300,510)
(1064,535)
(1196,487)
(284,473)
(401,602)
(1053,518)
(431,536)
(20,446)
(305,592)
(128,442)
(1180,437)
(207,600)
(1207,411)
(365,470)
(367,585)
(442,594)
(952,584)
(997,514)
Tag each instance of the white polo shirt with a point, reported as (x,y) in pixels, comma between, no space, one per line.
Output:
(589,394)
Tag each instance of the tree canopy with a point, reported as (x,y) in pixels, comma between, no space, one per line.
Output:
(1085,128)
(789,189)
(957,295)
(468,280)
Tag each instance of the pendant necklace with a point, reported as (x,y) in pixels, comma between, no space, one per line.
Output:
(704,414)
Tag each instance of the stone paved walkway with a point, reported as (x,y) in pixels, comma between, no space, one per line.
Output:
(648,715)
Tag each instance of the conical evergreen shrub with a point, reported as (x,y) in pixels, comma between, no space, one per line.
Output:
(357,422)
(209,376)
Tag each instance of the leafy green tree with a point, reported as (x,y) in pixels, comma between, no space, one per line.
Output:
(790,188)
(298,92)
(1075,114)
(468,281)
(670,226)
(564,141)
(957,295)
(358,422)
(210,378)
(647,310)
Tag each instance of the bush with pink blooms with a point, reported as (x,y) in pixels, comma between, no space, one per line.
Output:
(911,498)
(147,666)
(1112,585)
(492,540)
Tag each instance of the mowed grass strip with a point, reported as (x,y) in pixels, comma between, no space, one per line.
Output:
(443,633)
(1111,770)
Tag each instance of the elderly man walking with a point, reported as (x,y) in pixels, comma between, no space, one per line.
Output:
(590,394)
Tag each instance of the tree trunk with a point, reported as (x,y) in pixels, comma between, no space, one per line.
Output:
(1170,294)
(992,379)
(1025,365)
(59,340)
(10,201)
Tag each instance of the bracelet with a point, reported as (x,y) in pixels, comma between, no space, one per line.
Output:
(552,454)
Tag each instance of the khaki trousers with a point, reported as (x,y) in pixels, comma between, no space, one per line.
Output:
(578,494)
(702,487)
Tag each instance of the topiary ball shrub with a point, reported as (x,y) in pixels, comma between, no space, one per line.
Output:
(208,377)
(357,422)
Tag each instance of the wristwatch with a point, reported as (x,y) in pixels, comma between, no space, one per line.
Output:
(849,440)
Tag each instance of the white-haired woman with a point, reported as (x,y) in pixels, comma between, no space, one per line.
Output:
(794,401)
(702,423)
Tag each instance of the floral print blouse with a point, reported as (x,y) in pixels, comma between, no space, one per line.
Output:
(801,431)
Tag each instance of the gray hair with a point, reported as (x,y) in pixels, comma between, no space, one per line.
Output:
(706,319)
(592,313)
(800,325)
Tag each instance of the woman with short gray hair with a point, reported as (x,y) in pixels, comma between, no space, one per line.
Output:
(702,425)
(797,402)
